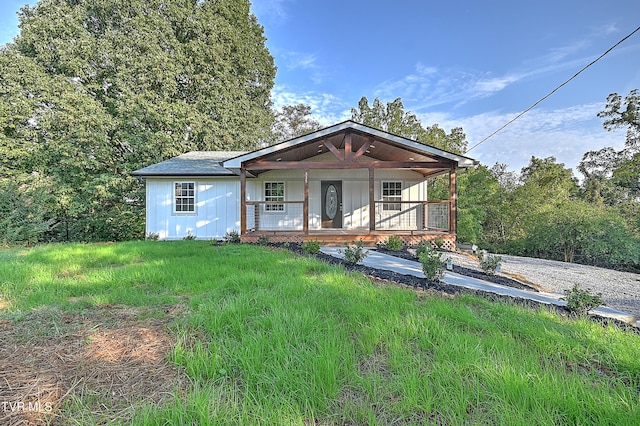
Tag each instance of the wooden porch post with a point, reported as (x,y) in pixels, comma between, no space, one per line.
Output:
(305,208)
(453,202)
(372,204)
(243,201)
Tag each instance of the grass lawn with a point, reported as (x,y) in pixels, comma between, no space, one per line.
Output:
(191,333)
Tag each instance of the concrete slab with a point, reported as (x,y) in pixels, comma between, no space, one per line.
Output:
(408,267)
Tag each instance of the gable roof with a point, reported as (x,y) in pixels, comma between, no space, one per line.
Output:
(194,163)
(393,142)
(388,146)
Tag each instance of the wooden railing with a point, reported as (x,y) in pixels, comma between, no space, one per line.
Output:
(412,215)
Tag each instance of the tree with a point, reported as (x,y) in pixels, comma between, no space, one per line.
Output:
(292,121)
(94,89)
(393,118)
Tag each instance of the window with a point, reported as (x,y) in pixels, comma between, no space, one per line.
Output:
(391,191)
(274,192)
(184,197)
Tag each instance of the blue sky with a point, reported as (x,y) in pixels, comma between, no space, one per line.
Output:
(470,64)
(466,63)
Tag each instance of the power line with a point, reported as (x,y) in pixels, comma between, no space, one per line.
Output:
(553,91)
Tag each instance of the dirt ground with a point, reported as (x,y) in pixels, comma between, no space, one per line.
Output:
(106,362)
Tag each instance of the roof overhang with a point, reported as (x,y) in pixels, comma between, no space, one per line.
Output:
(365,146)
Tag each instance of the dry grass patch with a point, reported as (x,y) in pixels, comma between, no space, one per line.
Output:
(100,365)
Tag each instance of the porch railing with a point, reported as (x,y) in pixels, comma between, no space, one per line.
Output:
(275,215)
(412,215)
(389,215)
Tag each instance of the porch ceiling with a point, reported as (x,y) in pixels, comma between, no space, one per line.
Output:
(369,148)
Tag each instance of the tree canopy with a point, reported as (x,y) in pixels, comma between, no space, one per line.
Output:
(393,118)
(91,90)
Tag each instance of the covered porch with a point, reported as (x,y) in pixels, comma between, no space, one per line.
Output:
(345,183)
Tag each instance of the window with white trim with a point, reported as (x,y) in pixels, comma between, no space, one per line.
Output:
(184,197)
(274,193)
(391,191)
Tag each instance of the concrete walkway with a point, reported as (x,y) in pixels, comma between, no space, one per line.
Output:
(402,266)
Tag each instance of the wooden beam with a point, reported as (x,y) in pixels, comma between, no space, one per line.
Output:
(333,150)
(243,201)
(282,165)
(305,208)
(453,202)
(347,147)
(362,149)
(372,203)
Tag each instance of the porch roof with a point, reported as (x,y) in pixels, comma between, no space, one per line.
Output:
(366,145)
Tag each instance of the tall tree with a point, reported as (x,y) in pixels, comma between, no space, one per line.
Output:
(292,121)
(94,89)
(393,118)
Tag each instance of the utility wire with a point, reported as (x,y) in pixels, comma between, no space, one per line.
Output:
(553,91)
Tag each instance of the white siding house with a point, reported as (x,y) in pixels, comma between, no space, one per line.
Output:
(344,182)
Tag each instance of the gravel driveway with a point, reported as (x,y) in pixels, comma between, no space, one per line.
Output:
(620,290)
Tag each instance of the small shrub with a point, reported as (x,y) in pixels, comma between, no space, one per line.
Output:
(232,237)
(354,254)
(431,264)
(311,246)
(580,302)
(263,240)
(286,245)
(152,236)
(393,243)
(438,242)
(489,263)
(189,236)
(422,247)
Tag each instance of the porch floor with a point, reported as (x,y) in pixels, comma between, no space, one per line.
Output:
(340,237)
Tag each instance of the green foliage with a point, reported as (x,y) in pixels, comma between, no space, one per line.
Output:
(189,236)
(92,90)
(423,246)
(394,119)
(431,261)
(23,214)
(232,237)
(393,243)
(152,236)
(577,230)
(292,121)
(580,302)
(263,240)
(489,263)
(311,246)
(354,253)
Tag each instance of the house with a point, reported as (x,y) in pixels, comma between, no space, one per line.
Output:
(342,183)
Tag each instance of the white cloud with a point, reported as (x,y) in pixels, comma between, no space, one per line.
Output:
(294,60)
(327,108)
(565,134)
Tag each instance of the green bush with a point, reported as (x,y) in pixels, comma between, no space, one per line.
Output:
(232,237)
(354,254)
(489,263)
(311,246)
(422,247)
(431,264)
(189,236)
(393,243)
(263,240)
(580,302)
